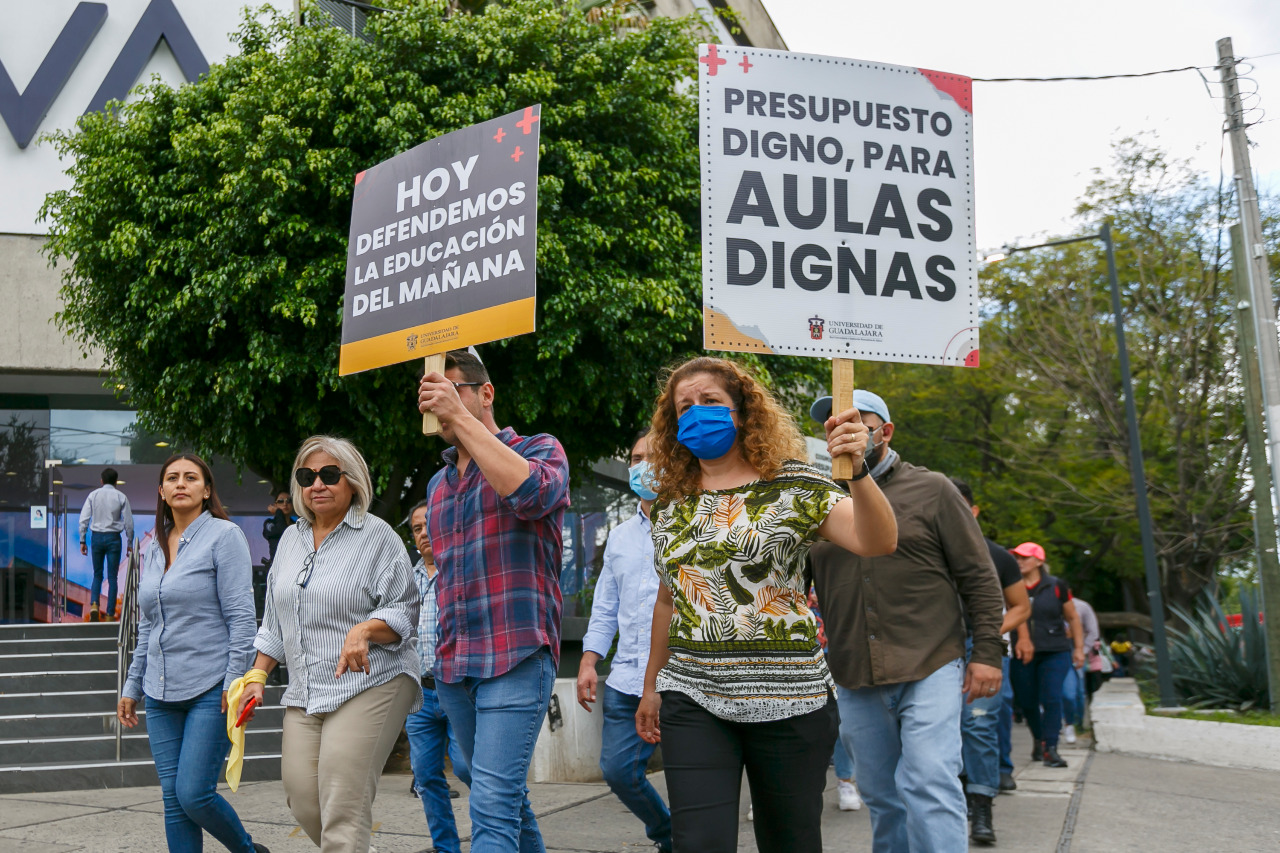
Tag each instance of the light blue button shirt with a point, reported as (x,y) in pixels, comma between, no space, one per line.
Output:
(623,604)
(197,622)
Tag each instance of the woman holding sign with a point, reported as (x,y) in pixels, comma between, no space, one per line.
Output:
(736,676)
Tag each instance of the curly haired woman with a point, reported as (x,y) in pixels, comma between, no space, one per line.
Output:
(736,676)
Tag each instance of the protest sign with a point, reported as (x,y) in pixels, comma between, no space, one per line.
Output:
(837,208)
(837,204)
(442,248)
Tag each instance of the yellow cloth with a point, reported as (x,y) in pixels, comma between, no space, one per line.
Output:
(235,761)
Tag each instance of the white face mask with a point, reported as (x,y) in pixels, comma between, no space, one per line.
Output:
(876,450)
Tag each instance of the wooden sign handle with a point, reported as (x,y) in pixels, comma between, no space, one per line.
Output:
(841,399)
(435,363)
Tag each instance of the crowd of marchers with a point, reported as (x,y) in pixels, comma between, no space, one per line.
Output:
(767,619)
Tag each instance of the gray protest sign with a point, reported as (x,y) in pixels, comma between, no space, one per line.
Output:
(442,247)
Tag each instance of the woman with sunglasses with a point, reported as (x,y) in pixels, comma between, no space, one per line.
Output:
(342,612)
(195,637)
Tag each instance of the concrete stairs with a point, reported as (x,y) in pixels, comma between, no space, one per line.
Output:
(58,720)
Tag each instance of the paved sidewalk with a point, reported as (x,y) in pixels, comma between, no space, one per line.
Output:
(1122,804)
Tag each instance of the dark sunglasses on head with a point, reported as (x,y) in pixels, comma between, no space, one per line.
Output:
(328,475)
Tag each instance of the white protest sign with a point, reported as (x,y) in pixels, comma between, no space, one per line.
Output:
(837,208)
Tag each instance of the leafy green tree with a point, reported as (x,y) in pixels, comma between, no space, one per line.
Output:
(1040,430)
(204,238)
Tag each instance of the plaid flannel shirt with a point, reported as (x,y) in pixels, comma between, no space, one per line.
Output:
(498,586)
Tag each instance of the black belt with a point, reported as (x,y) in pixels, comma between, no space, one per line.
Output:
(429,682)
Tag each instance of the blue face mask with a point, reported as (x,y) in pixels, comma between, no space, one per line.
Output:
(708,431)
(641,481)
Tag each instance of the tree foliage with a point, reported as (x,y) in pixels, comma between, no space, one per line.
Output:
(204,238)
(1040,429)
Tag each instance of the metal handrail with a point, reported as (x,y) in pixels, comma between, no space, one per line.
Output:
(127,636)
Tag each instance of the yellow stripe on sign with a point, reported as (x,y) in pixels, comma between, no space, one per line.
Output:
(477,327)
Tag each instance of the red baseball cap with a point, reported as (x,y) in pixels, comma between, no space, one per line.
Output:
(1029,549)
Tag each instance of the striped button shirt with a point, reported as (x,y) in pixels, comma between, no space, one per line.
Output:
(499,561)
(361,572)
(106,510)
(427,616)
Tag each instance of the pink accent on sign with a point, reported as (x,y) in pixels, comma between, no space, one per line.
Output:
(712,60)
(359,177)
(959,88)
(971,360)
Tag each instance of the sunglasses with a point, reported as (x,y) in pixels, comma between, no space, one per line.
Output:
(308,566)
(329,475)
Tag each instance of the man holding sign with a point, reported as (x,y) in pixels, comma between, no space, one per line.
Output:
(494,515)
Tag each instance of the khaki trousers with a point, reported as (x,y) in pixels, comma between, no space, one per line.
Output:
(331,763)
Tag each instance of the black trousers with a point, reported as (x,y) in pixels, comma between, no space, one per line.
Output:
(786,763)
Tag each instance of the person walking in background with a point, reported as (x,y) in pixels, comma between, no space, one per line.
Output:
(896,644)
(736,677)
(1059,643)
(342,612)
(623,606)
(105,515)
(1079,684)
(195,637)
(430,735)
(980,719)
(281,518)
(494,518)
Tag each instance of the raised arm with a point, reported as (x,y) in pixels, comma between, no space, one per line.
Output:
(864,523)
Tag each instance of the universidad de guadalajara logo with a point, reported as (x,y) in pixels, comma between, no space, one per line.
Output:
(815,327)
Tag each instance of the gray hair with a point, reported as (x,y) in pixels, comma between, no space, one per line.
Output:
(349,460)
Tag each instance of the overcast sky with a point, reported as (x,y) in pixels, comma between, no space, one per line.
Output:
(1036,144)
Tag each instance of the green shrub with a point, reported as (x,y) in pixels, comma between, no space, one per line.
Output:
(1218,666)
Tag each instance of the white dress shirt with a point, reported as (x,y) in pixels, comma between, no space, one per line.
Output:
(623,604)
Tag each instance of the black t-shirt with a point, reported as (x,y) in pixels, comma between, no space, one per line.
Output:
(1048,625)
(1006,570)
(1009,574)
(1006,565)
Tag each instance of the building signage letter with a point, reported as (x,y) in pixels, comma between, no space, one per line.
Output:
(161,20)
(24,112)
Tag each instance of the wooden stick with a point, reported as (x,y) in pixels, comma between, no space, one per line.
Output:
(435,364)
(841,399)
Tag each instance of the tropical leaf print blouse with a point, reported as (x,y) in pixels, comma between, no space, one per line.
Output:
(744,644)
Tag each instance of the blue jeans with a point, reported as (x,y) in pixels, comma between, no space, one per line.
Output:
(905,743)
(1038,685)
(429,736)
(1073,697)
(844,762)
(497,721)
(104,551)
(980,736)
(623,757)
(189,743)
(1006,721)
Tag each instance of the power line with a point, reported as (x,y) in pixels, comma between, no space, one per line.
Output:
(1113,76)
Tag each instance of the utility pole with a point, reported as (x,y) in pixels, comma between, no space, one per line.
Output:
(1264,320)
(1264,520)
(1257,266)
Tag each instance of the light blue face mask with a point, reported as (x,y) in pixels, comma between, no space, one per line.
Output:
(708,431)
(642,480)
